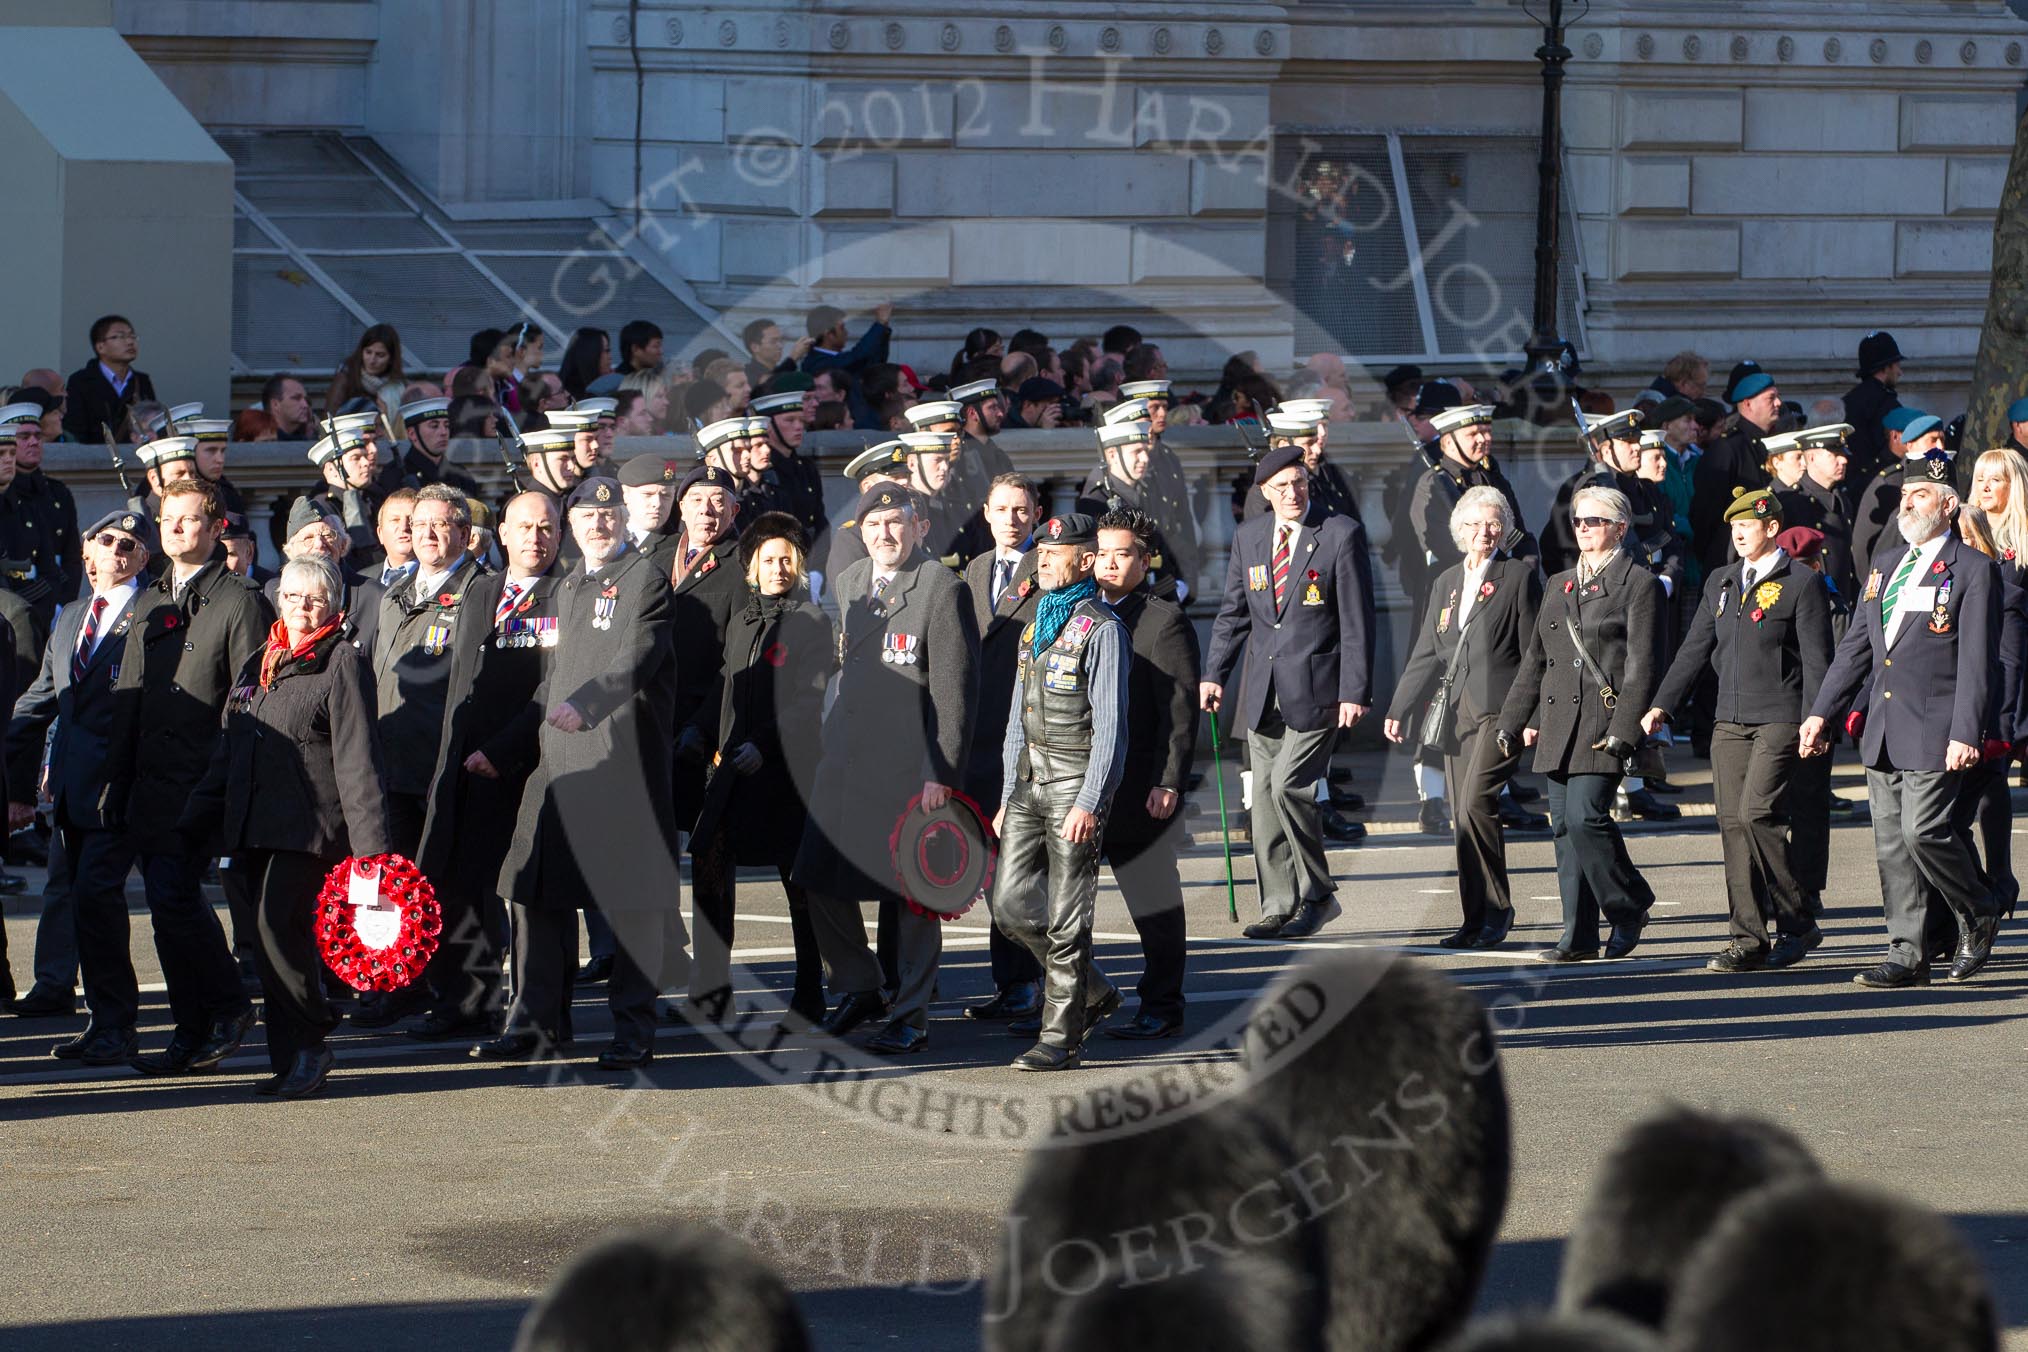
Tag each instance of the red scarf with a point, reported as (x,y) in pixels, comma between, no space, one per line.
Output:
(279,651)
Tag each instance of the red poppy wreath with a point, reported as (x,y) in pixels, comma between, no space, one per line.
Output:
(378,922)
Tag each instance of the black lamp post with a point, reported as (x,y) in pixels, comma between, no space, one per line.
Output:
(1545,347)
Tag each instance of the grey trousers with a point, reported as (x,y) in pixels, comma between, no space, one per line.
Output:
(1287,824)
(853,968)
(1925,856)
(56,931)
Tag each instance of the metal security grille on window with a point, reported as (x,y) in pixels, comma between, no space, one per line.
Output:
(1394,247)
(329,237)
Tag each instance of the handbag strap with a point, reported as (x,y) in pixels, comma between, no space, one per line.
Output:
(1606,694)
(1457,653)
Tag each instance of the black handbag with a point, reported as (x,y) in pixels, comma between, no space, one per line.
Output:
(1436,715)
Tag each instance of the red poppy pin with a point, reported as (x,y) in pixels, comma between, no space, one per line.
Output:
(710,562)
(610,589)
(445,600)
(171,620)
(1313,575)
(2007,554)
(1485,590)
(1023,589)
(1756,614)
(776,655)
(1937,567)
(1569,586)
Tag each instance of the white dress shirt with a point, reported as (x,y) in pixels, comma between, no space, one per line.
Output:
(1918,594)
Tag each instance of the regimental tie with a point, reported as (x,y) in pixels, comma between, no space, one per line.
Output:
(880,588)
(1894,586)
(510,596)
(87,640)
(1003,575)
(1281,562)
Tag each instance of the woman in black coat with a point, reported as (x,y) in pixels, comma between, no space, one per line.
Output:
(1474,633)
(293,789)
(780,653)
(1589,674)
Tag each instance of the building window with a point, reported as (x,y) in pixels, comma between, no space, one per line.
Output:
(1398,247)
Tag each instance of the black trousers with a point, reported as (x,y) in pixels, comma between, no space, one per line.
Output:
(1594,873)
(242,903)
(297,1015)
(197,962)
(713,893)
(545,968)
(1810,825)
(406,813)
(56,930)
(1044,898)
(1153,890)
(1986,802)
(99,862)
(1752,765)
(1476,774)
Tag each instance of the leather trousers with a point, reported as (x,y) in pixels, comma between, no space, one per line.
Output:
(1043,900)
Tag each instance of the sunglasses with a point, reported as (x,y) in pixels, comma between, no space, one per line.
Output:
(1593,522)
(119,544)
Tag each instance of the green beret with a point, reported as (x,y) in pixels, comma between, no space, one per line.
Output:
(1754,504)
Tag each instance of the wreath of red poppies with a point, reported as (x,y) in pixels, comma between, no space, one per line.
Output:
(398,963)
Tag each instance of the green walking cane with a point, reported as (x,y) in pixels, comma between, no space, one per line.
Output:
(1224,828)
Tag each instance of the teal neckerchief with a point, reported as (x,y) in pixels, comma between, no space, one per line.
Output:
(1052,612)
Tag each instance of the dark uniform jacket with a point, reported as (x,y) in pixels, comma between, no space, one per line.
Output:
(1316,651)
(1161,729)
(1331,494)
(1769,647)
(1867,404)
(597,820)
(2011,720)
(299,765)
(701,610)
(1175,552)
(50,503)
(1876,528)
(412,662)
(490,706)
(908,684)
(1620,612)
(1811,504)
(91,404)
(780,653)
(415,469)
(999,630)
(83,714)
(801,494)
(1495,635)
(1730,461)
(1938,680)
(1436,497)
(182,659)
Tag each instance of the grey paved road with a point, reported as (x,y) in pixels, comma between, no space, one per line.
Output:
(425,1200)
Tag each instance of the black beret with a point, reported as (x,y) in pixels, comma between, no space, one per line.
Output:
(1934,468)
(1038,389)
(770,526)
(597,491)
(236,527)
(643,470)
(882,498)
(129,522)
(1670,409)
(710,476)
(1275,461)
(1075,529)
(1437,395)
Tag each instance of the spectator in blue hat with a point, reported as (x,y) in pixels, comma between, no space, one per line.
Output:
(1875,531)
(2017,425)
(1871,400)
(1732,461)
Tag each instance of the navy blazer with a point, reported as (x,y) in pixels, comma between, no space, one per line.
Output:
(1315,651)
(1937,682)
(83,714)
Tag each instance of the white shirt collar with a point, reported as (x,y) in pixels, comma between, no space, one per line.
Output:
(117,596)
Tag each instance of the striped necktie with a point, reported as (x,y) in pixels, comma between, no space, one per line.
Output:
(510,597)
(1894,587)
(87,640)
(1281,562)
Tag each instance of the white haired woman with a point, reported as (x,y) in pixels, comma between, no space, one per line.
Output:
(1588,675)
(293,789)
(1474,634)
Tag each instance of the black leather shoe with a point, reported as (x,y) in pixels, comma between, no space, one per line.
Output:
(595,971)
(1465,937)
(385,1009)
(1514,817)
(523,1044)
(1623,941)
(852,1011)
(1044,1057)
(1267,927)
(1342,829)
(12,884)
(900,1038)
(108,1047)
(1013,1001)
(625,1054)
(1310,917)
(174,1059)
(1662,786)
(1567,954)
(74,1048)
(1975,947)
(223,1040)
(1146,1028)
(1345,800)
(1736,958)
(1889,976)
(306,1077)
(1789,949)
(1433,817)
(1521,793)
(443,1025)
(1494,932)
(43,1001)
(1649,808)
(266,1088)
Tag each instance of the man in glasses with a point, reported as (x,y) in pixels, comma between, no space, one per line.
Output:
(194,628)
(1299,599)
(100,392)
